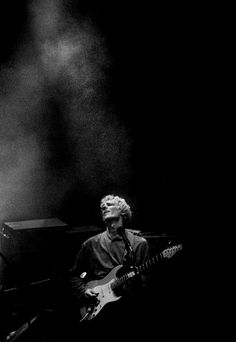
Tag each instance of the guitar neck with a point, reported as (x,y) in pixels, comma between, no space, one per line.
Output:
(138,270)
(168,253)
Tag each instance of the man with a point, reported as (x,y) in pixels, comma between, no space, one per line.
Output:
(100,254)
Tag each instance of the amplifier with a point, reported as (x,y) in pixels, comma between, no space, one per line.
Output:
(158,241)
(32,234)
(32,249)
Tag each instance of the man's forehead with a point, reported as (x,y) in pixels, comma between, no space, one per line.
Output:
(111,200)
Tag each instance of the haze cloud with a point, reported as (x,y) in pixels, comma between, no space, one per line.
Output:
(62,61)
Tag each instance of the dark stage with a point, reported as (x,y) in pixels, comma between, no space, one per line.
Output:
(100,97)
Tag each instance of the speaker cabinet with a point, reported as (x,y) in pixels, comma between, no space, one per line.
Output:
(32,249)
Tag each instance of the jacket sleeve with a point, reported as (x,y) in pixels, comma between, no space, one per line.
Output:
(142,252)
(142,255)
(78,273)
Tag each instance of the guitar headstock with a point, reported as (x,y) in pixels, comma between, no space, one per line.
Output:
(170,251)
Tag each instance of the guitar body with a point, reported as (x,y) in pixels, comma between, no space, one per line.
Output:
(105,295)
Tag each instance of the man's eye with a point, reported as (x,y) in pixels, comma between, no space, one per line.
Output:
(107,204)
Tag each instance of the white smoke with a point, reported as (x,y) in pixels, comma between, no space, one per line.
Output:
(65,59)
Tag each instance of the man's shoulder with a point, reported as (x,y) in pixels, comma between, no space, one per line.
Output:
(136,236)
(141,239)
(94,238)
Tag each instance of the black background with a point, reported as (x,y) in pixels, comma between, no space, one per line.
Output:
(167,86)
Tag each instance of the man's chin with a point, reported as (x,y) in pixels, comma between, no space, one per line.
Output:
(109,218)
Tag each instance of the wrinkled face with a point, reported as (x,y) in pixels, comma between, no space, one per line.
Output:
(110,210)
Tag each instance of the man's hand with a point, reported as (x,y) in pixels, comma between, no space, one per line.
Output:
(90,293)
(91,296)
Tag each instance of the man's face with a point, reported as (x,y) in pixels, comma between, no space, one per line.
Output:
(110,210)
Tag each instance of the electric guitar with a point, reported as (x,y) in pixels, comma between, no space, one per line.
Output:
(106,286)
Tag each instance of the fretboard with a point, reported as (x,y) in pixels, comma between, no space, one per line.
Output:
(167,253)
(138,270)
